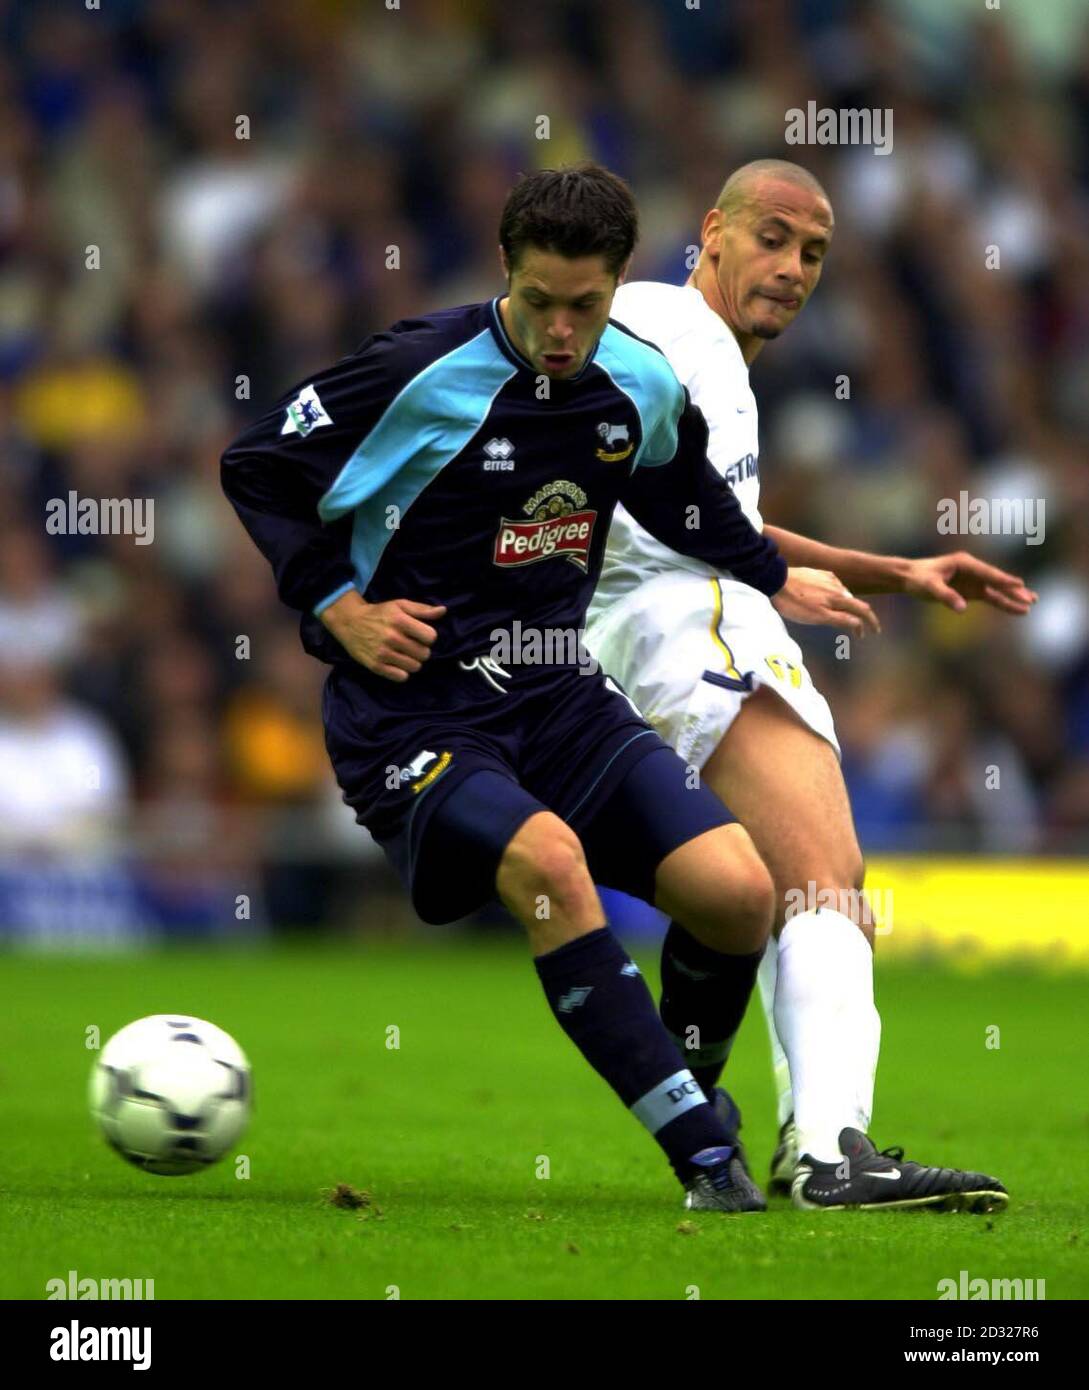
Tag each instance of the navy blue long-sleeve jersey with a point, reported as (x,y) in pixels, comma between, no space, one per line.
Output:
(436,464)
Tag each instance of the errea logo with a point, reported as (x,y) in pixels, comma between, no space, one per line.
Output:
(500,456)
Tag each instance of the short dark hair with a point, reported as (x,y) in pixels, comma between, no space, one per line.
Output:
(579,210)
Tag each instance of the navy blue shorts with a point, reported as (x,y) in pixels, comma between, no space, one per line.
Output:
(445,767)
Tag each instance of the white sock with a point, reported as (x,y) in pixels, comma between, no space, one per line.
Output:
(766,977)
(829,1027)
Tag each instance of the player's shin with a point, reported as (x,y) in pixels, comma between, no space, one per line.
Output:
(602,1003)
(767,977)
(829,1027)
(704,996)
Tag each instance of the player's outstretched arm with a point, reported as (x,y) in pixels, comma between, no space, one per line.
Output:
(392,639)
(686,504)
(954,580)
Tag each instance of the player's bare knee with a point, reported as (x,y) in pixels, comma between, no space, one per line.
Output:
(563,876)
(752,905)
(827,877)
(831,882)
(844,871)
(735,909)
(544,860)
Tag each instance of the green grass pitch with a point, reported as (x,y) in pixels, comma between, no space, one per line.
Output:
(448,1131)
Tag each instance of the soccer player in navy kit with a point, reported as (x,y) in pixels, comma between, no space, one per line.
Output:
(455,474)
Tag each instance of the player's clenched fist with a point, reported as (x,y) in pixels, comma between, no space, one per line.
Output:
(817,596)
(391,639)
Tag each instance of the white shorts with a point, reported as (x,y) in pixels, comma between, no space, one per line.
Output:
(690,650)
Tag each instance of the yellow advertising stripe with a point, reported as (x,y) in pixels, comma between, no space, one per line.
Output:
(982,909)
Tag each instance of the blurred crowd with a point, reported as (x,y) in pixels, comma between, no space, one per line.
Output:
(202,203)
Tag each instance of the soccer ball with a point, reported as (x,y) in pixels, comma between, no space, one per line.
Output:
(171,1093)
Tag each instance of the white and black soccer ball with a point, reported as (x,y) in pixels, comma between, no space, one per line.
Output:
(171,1093)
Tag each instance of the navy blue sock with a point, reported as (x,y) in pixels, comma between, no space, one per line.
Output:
(704,996)
(602,1003)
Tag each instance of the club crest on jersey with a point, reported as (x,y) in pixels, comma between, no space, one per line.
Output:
(560,524)
(615,443)
(305,413)
(415,769)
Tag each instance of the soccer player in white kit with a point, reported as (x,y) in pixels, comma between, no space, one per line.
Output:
(714,670)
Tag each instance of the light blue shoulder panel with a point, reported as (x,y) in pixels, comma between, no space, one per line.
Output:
(644,375)
(425,426)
